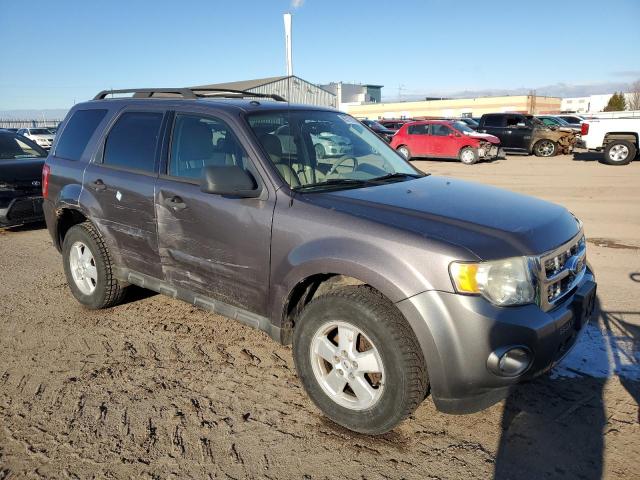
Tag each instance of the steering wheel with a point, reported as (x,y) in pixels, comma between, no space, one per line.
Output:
(340,162)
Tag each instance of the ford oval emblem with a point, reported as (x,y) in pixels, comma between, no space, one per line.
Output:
(36,183)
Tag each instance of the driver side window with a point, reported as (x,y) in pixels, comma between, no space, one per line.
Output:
(440,130)
(199,142)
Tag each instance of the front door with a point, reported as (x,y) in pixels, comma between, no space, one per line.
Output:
(119,189)
(519,131)
(214,245)
(442,140)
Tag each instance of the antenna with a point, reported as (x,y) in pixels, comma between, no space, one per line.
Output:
(287,43)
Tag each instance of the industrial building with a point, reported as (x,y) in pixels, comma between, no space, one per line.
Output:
(290,87)
(457,107)
(354,93)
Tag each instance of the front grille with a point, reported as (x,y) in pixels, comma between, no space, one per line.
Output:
(560,270)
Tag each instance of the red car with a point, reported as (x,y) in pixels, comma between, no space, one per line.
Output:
(444,139)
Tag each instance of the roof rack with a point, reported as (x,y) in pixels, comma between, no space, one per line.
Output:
(190,93)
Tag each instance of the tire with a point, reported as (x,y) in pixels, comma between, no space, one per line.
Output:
(468,155)
(320,151)
(404,151)
(376,323)
(619,152)
(107,291)
(545,148)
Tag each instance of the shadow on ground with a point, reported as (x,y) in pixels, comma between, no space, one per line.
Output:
(540,416)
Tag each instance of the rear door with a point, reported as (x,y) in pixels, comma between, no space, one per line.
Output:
(119,187)
(518,130)
(419,139)
(495,125)
(215,245)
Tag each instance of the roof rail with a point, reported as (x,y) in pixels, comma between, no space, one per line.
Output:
(190,93)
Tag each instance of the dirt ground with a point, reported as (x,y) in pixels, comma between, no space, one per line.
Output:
(156,388)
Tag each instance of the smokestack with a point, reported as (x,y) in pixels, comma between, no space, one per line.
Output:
(287,41)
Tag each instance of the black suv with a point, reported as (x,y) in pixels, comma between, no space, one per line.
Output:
(391,284)
(526,134)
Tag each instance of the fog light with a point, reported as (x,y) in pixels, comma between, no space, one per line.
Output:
(509,361)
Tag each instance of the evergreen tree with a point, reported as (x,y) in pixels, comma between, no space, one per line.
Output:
(617,103)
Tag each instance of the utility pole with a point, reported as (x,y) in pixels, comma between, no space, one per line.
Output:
(400,89)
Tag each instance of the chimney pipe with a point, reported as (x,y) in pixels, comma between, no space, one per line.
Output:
(287,40)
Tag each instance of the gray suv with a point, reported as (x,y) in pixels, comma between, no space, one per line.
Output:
(390,284)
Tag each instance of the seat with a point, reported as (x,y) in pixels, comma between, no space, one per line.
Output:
(295,174)
(195,149)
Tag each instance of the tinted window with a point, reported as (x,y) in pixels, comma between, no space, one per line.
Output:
(132,141)
(440,130)
(77,133)
(13,147)
(493,121)
(418,129)
(199,142)
(514,120)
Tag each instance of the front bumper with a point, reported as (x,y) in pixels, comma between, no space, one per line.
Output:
(22,210)
(459,333)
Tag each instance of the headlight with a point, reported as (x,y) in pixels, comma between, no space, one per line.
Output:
(502,282)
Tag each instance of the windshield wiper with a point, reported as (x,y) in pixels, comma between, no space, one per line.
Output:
(332,183)
(394,176)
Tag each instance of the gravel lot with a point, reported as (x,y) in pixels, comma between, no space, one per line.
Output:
(156,388)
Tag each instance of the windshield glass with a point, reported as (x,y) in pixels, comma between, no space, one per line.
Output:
(39,131)
(462,127)
(12,148)
(373,124)
(326,149)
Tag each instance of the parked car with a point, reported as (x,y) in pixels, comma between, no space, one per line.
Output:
(42,136)
(617,138)
(444,139)
(470,122)
(572,119)
(394,124)
(21,162)
(326,143)
(383,132)
(526,134)
(390,283)
(552,121)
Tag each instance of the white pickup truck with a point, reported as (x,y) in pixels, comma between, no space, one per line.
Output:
(618,137)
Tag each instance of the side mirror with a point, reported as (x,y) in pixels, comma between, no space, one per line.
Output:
(229,180)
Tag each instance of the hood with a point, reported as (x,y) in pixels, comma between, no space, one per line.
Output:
(22,172)
(483,136)
(489,222)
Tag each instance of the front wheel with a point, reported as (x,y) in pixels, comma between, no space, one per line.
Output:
(468,155)
(619,152)
(544,148)
(359,360)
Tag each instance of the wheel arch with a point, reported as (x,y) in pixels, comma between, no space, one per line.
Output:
(628,136)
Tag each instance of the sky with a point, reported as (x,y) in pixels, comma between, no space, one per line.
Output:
(55,54)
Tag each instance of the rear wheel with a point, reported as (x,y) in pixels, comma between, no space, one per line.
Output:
(619,152)
(404,151)
(468,155)
(359,360)
(545,148)
(88,268)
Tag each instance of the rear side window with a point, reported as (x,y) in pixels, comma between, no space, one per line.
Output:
(132,141)
(77,132)
(494,121)
(418,129)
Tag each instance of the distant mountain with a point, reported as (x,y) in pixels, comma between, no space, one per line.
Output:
(51,114)
(561,90)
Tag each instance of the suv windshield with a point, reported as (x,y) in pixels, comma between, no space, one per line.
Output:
(462,127)
(12,147)
(318,149)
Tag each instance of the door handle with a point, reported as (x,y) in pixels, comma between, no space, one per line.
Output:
(99,185)
(175,203)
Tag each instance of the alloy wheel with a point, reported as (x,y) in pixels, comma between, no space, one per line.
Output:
(347,365)
(83,268)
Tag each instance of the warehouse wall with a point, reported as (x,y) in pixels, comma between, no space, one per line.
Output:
(456,107)
(297,90)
